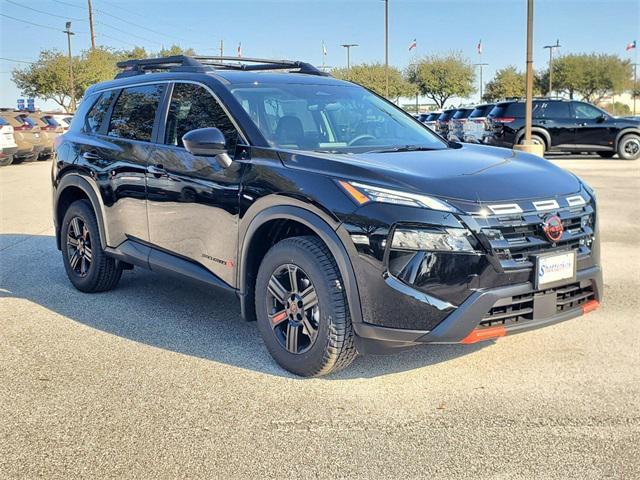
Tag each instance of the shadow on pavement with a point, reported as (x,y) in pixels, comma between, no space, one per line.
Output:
(166,313)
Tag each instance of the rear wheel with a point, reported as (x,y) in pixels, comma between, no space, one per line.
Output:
(536,140)
(302,310)
(87,265)
(606,154)
(5,161)
(629,147)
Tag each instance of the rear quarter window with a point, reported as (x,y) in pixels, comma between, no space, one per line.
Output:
(97,115)
(134,112)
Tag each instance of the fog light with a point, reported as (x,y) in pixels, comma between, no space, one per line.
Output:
(449,240)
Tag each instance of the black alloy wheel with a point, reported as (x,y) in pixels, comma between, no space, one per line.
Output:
(292,306)
(79,247)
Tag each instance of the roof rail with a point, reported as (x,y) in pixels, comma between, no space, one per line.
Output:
(184,63)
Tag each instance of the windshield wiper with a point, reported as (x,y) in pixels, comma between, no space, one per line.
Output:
(404,148)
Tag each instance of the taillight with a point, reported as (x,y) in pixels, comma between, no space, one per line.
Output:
(24,126)
(503,119)
(478,121)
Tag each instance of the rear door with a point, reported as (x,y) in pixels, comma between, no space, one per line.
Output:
(555,117)
(119,130)
(193,202)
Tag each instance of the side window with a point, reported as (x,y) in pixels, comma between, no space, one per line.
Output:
(192,107)
(584,111)
(552,110)
(97,115)
(134,112)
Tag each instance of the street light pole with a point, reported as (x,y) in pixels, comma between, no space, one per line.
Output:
(551,47)
(529,102)
(386,48)
(348,47)
(481,84)
(93,36)
(635,85)
(71,82)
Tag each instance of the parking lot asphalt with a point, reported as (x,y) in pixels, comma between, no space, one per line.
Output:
(162,379)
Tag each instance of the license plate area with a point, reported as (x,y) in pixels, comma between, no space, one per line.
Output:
(554,269)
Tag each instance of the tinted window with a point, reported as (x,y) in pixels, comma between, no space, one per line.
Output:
(585,111)
(3,122)
(481,111)
(432,117)
(97,115)
(52,122)
(462,113)
(134,112)
(551,110)
(193,107)
(444,116)
(511,109)
(26,120)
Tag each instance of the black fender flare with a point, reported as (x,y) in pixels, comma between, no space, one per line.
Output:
(329,236)
(535,130)
(624,132)
(79,181)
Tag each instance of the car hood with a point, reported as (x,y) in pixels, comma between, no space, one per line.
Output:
(472,173)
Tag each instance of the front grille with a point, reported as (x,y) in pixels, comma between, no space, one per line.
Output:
(515,238)
(521,308)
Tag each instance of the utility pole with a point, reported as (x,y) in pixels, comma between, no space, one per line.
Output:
(71,82)
(93,36)
(551,47)
(222,48)
(529,103)
(348,46)
(481,83)
(635,85)
(386,48)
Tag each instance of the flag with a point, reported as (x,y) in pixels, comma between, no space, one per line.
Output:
(479,47)
(324,49)
(413,45)
(239,49)
(631,46)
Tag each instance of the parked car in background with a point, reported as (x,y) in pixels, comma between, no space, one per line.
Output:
(26,133)
(64,119)
(457,122)
(8,146)
(431,120)
(477,126)
(442,123)
(50,129)
(566,126)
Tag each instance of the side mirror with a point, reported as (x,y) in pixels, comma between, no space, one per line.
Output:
(602,118)
(207,142)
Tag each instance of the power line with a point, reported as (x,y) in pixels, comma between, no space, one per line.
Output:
(31,23)
(14,60)
(127,33)
(46,13)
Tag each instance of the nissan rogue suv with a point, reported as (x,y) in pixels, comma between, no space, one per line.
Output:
(342,224)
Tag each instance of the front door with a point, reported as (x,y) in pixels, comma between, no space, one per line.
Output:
(192,201)
(594,127)
(555,117)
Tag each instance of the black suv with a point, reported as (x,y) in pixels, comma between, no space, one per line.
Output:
(566,126)
(343,224)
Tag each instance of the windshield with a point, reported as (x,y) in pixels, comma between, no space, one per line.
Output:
(332,118)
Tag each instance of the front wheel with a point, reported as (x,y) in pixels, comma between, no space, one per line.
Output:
(629,147)
(302,310)
(6,160)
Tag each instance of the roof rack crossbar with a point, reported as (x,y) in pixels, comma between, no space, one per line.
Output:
(207,64)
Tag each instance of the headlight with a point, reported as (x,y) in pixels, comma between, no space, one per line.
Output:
(449,240)
(362,194)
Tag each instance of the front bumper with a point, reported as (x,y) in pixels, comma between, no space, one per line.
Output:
(463,324)
(9,150)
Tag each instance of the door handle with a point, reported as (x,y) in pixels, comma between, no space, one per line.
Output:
(92,157)
(156,170)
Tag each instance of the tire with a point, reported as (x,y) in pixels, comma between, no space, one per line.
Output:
(536,139)
(98,273)
(606,154)
(332,346)
(629,147)
(6,161)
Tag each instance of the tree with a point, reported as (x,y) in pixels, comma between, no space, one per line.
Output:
(591,76)
(443,77)
(508,82)
(175,50)
(372,76)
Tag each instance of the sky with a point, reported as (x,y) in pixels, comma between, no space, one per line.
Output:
(295,29)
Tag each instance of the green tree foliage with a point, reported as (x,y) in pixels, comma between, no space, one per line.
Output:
(618,108)
(591,76)
(443,77)
(372,76)
(508,82)
(48,77)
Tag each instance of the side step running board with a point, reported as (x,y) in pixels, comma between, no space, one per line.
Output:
(156,260)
